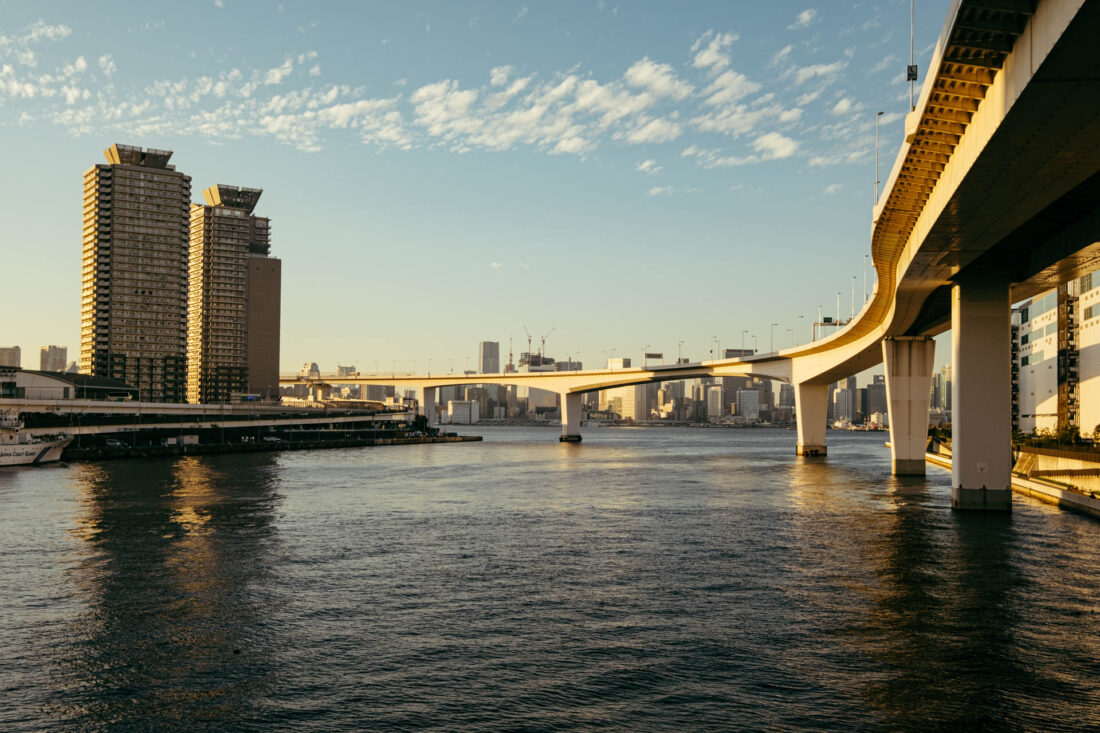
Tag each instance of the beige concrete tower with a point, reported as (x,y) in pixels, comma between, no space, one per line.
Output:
(233,311)
(133,314)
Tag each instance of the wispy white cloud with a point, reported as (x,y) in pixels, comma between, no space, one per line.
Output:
(658,78)
(710,50)
(885,64)
(803,74)
(653,102)
(769,146)
(660,191)
(803,19)
(845,106)
(107,65)
(782,55)
(495,265)
(833,188)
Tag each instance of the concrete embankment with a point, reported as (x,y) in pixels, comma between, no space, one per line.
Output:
(101,453)
(1045,489)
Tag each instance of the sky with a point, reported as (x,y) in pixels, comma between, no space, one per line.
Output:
(623,176)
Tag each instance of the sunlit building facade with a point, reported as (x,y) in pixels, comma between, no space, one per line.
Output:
(233,306)
(133,324)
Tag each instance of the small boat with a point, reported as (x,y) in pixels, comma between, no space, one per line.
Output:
(18,448)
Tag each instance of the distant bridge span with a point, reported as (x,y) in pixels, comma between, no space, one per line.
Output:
(994,197)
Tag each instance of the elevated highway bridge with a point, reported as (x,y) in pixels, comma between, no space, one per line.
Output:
(994,196)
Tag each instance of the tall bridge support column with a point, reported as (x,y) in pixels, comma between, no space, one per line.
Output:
(981,394)
(426,403)
(811,404)
(571,417)
(909,363)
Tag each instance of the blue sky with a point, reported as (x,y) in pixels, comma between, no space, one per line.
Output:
(438,174)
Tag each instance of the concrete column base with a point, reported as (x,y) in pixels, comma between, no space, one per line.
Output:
(570,439)
(908,467)
(812,451)
(981,499)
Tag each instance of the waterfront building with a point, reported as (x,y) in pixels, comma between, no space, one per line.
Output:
(53,358)
(1056,358)
(748,404)
(488,357)
(54,385)
(11,356)
(234,299)
(133,310)
(462,412)
(732,385)
(875,393)
(786,395)
(715,401)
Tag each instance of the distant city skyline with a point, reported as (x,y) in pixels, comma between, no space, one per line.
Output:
(690,173)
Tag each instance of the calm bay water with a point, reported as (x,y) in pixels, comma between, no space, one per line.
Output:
(645,580)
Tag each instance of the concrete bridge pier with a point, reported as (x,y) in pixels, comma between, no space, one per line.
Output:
(571,417)
(425,399)
(909,363)
(811,404)
(981,394)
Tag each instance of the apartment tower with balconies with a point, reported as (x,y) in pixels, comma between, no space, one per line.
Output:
(133,324)
(234,300)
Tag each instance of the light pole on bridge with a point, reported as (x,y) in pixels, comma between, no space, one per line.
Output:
(796,320)
(771,338)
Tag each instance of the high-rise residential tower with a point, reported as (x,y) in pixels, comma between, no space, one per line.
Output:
(233,313)
(11,356)
(488,357)
(133,311)
(53,358)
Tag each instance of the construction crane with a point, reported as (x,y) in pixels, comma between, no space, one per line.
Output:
(528,338)
(542,347)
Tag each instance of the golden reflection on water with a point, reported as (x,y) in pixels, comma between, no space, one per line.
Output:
(168,563)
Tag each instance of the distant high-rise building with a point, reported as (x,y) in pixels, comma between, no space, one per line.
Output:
(53,358)
(488,357)
(11,356)
(233,319)
(715,402)
(876,396)
(133,311)
(748,404)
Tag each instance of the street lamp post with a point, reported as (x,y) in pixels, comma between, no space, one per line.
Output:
(743,332)
(796,320)
(877,157)
(679,350)
(771,338)
(865,259)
